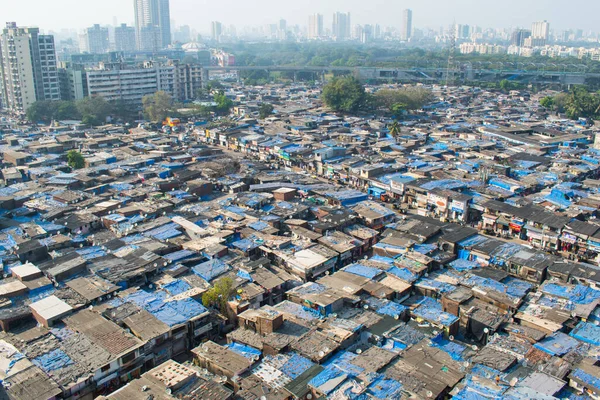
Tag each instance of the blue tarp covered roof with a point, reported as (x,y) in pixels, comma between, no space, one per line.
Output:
(211,269)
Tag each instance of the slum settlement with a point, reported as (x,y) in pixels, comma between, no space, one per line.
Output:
(306,255)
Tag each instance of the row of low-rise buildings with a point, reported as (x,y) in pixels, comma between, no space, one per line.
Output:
(553,51)
(453,258)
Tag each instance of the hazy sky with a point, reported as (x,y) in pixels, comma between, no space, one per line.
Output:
(78,14)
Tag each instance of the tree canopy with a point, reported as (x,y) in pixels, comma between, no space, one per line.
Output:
(344,94)
(219,294)
(94,110)
(403,99)
(157,106)
(582,104)
(265,110)
(90,110)
(224,103)
(46,111)
(75,160)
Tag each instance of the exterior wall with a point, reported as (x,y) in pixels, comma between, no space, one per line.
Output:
(27,68)
(18,88)
(127,85)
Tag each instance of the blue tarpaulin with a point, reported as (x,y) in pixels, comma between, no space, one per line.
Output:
(578,294)
(249,352)
(362,270)
(383,388)
(53,360)
(176,287)
(403,273)
(211,269)
(462,265)
(430,310)
(558,344)
(296,366)
(587,332)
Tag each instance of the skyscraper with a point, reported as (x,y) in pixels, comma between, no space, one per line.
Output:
(96,38)
(462,31)
(341,26)
(125,38)
(315,26)
(27,67)
(152,24)
(540,32)
(519,37)
(216,30)
(406,32)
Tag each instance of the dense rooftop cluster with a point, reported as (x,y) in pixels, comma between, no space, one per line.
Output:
(452,253)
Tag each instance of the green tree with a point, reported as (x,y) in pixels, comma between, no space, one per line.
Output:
(40,111)
(75,160)
(157,106)
(547,102)
(46,111)
(214,85)
(560,102)
(124,110)
(582,104)
(403,99)
(219,295)
(344,94)
(94,110)
(66,110)
(224,103)
(399,109)
(394,130)
(265,110)
(505,85)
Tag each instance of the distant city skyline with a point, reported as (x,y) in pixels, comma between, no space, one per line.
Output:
(198,15)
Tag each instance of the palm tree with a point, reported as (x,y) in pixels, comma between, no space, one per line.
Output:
(394,130)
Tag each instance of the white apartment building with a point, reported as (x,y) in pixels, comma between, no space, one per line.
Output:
(27,68)
(114,82)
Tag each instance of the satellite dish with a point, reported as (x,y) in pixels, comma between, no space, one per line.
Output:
(321,354)
(366,306)
(358,351)
(429,394)
(486,330)
(451,338)
(396,317)
(514,381)
(474,347)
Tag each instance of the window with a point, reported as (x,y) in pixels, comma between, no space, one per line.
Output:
(105,368)
(128,358)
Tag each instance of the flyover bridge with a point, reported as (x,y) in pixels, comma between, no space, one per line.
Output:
(465,73)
